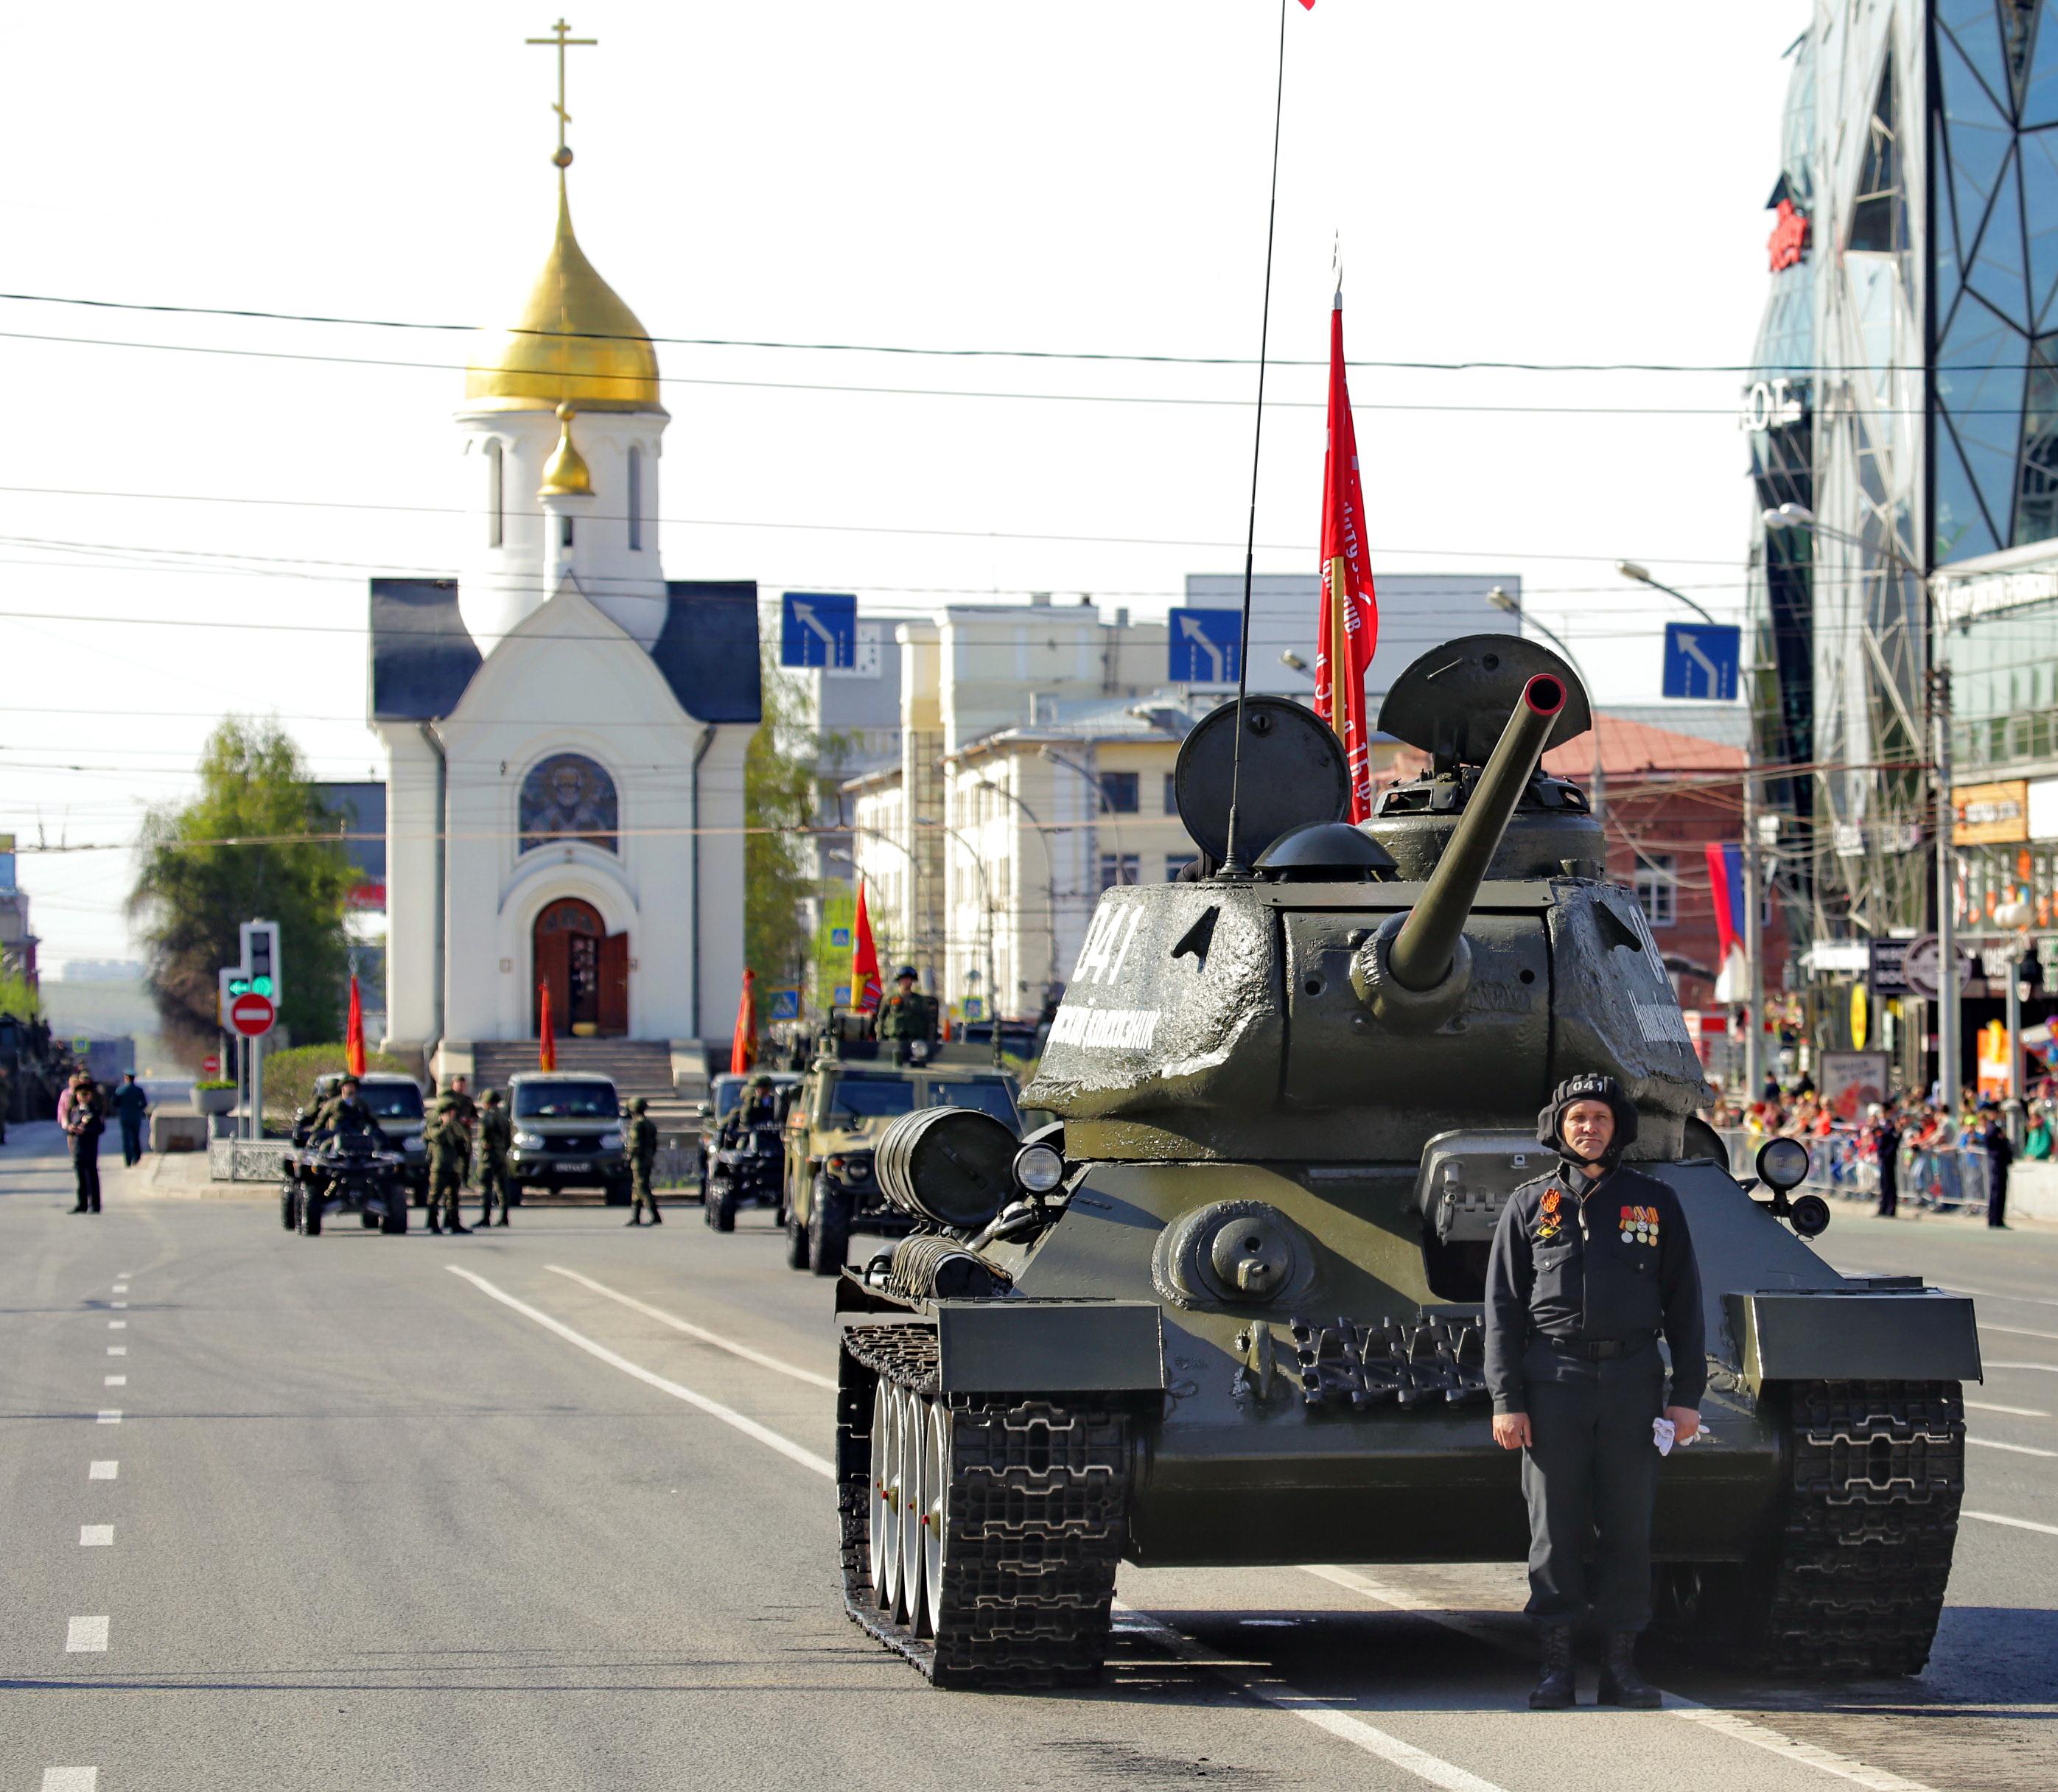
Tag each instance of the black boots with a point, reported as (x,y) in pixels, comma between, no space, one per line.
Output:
(1556,1691)
(1620,1683)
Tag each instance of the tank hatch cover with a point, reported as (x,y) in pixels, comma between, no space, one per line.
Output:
(1454,701)
(1293,773)
(1325,849)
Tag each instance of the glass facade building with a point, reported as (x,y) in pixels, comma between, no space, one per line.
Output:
(1903,389)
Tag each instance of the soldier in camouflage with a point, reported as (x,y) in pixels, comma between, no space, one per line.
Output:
(641,1138)
(907,1016)
(448,1140)
(496,1136)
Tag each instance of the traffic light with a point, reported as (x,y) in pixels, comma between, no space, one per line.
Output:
(259,974)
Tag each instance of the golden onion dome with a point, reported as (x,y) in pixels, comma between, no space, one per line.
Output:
(566,474)
(574,343)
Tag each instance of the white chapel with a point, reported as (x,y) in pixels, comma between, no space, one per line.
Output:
(564,726)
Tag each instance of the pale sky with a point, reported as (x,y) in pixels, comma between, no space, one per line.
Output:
(1509,182)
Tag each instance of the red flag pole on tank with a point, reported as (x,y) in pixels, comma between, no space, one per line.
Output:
(546,1043)
(743,1048)
(1347,631)
(867,992)
(353,1031)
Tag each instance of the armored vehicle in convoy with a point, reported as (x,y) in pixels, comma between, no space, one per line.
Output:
(847,1098)
(1227,1308)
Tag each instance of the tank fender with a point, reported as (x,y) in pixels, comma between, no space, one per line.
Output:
(1859,1334)
(1060,1347)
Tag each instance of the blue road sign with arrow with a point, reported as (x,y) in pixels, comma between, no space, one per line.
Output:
(1203,646)
(1701,660)
(818,629)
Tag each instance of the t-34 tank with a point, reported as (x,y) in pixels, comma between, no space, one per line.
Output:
(1225,1311)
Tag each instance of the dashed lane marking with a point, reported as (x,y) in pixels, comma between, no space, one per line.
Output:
(2017,1331)
(2013,1523)
(71,1779)
(700,1332)
(118,1305)
(1727,1723)
(114,1381)
(2013,1411)
(1276,1692)
(2013,1449)
(111,1415)
(102,1471)
(118,1325)
(96,1536)
(86,1636)
(117,1349)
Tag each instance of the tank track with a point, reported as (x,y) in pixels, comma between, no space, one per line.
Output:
(1037,1518)
(1854,1583)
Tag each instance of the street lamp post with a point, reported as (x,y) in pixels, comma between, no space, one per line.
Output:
(1501,600)
(1753,901)
(1050,869)
(1799,516)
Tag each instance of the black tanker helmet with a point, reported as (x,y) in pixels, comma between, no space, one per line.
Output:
(1589,1086)
(905,971)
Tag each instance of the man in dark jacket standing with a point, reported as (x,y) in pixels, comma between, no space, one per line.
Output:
(131,1102)
(1588,1266)
(1991,1138)
(1886,1149)
(84,1121)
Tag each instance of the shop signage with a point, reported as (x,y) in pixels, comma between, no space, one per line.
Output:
(1789,240)
(1922,968)
(1961,599)
(1773,404)
(1990,814)
(2043,808)
(1885,970)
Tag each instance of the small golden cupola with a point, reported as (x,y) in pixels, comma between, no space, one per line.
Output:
(566,474)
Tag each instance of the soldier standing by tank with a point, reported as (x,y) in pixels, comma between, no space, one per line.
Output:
(641,1139)
(449,1142)
(1588,1266)
(496,1136)
(907,1015)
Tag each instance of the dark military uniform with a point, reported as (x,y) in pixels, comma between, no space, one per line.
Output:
(905,1016)
(496,1136)
(1588,1267)
(641,1137)
(449,1147)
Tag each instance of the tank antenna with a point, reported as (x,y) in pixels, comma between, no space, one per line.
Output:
(1233,863)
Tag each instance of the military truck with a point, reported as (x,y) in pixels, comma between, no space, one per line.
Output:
(846,1098)
(1227,1310)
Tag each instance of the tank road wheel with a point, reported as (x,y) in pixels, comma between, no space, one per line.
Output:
(1853,1583)
(828,1228)
(1021,1509)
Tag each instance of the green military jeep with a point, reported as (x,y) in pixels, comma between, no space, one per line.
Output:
(838,1112)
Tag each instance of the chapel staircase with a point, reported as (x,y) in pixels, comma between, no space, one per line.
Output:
(637,1066)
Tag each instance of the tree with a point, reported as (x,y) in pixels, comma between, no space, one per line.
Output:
(248,848)
(779,800)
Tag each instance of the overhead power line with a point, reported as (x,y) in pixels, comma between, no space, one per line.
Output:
(937,352)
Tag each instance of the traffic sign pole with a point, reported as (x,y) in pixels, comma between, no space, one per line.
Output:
(1947,916)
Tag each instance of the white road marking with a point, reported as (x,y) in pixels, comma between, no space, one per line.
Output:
(86,1636)
(2014,1412)
(2017,1449)
(1741,1729)
(109,1414)
(714,1409)
(94,1536)
(1277,1694)
(2015,1523)
(118,1305)
(118,1325)
(2049,1369)
(102,1471)
(114,1381)
(71,1779)
(117,1349)
(2017,1331)
(700,1332)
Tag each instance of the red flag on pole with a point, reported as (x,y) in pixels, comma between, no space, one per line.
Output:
(743,1048)
(867,992)
(353,1032)
(547,1044)
(1349,629)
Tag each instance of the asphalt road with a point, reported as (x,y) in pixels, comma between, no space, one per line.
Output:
(285,1513)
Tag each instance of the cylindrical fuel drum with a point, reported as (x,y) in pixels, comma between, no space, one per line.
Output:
(952,1166)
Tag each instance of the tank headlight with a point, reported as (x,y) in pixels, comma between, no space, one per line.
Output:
(1782,1164)
(528,1141)
(1039,1168)
(610,1141)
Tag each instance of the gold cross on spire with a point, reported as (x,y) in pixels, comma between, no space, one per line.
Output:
(561,37)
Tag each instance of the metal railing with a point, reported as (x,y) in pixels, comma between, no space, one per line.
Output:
(1844,1164)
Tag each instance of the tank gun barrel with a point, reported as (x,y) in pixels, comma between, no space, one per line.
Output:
(1422,950)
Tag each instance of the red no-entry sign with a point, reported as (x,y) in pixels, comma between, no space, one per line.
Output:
(251,1014)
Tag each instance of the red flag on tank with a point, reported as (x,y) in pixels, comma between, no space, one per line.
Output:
(743,1048)
(866,989)
(1347,630)
(353,1032)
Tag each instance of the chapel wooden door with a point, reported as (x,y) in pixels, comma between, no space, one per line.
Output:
(567,948)
(614,985)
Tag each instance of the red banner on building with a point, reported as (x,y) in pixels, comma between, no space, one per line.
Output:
(1347,631)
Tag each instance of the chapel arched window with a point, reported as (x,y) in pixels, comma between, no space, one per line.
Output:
(568,797)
